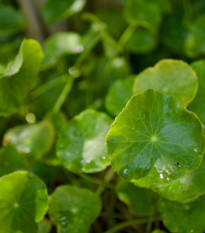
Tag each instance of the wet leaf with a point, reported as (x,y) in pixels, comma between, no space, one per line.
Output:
(73,209)
(23,202)
(154,140)
(31,140)
(81,145)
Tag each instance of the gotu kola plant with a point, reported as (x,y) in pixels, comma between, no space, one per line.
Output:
(93,143)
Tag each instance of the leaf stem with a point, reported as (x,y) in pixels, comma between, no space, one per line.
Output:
(62,97)
(122,225)
(126,36)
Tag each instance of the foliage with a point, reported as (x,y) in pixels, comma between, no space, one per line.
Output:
(102,116)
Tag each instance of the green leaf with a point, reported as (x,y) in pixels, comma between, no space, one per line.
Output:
(60,44)
(55,10)
(73,209)
(20,78)
(173,77)
(31,140)
(10,160)
(81,145)
(23,202)
(195,42)
(186,188)
(183,218)
(141,41)
(44,226)
(154,140)
(118,95)
(10,20)
(198,104)
(137,199)
(141,13)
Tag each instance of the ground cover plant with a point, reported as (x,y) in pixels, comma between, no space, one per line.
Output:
(102,114)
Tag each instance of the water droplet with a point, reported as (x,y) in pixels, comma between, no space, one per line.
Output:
(195,150)
(178,165)
(88,160)
(125,171)
(161,176)
(104,157)
(74,72)
(82,162)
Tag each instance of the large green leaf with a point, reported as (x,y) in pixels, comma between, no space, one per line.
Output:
(183,218)
(10,160)
(20,78)
(139,200)
(32,140)
(81,145)
(186,188)
(154,140)
(195,42)
(73,209)
(55,10)
(118,95)
(172,77)
(198,104)
(10,20)
(23,202)
(60,44)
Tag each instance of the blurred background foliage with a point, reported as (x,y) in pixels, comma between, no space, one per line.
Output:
(98,41)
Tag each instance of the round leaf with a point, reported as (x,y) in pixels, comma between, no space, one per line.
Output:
(55,10)
(186,188)
(61,44)
(23,202)
(138,200)
(118,95)
(173,77)
(183,218)
(198,104)
(20,77)
(73,209)
(154,140)
(81,145)
(32,140)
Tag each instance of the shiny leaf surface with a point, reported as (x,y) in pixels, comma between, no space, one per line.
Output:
(154,140)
